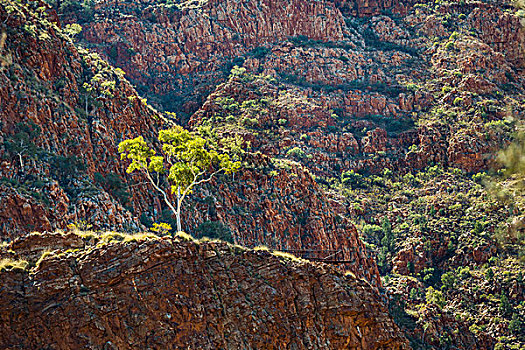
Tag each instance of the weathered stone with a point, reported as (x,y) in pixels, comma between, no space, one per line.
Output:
(169,294)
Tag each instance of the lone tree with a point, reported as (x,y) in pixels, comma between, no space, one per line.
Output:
(186,160)
(20,145)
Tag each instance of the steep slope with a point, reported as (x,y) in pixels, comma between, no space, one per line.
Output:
(63,121)
(148,292)
(282,207)
(398,119)
(177,52)
(385,113)
(63,112)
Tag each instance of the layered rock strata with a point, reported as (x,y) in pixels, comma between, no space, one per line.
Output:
(171,293)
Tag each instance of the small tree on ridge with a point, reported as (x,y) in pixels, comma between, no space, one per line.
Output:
(186,160)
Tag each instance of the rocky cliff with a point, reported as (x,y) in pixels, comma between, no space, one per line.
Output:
(62,113)
(383,115)
(66,170)
(128,292)
(194,42)
(359,76)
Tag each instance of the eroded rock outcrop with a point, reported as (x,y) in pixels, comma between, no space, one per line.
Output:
(171,293)
(74,174)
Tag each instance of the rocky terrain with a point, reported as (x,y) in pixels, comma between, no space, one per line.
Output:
(78,180)
(63,111)
(371,128)
(141,291)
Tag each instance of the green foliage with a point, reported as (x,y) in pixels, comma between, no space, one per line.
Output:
(373,230)
(448,280)
(161,229)
(214,230)
(259,52)
(83,10)
(351,179)
(187,159)
(114,185)
(489,274)
(410,267)
(446,89)
(412,87)
(505,306)
(428,275)
(413,293)
(20,145)
(513,157)
(67,168)
(373,41)
(515,325)
(71,30)
(435,297)
(463,272)
(389,238)
(296,152)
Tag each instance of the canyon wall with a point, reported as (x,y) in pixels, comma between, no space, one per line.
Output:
(173,293)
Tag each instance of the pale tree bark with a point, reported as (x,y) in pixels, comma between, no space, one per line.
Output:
(20,159)
(181,195)
(179,224)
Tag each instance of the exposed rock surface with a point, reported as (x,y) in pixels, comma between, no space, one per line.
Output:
(171,293)
(48,177)
(193,44)
(73,148)
(284,210)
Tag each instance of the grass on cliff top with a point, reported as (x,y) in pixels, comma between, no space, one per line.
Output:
(13,265)
(97,239)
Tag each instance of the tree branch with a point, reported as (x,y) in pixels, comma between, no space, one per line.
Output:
(164,194)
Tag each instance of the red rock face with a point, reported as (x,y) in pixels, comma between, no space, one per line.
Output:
(171,294)
(364,8)
(43,87)
(357,68)
(502,30)
(285,211)
(288,210)
(200,41)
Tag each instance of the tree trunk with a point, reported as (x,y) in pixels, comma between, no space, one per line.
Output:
(179,225)
(21,162)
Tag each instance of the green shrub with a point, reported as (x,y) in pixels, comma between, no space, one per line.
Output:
(448,280)
(214,230)
(504,305)
(113,184)
(250,122)
(352,179)
(259,52)
(161,228)
(412,87)
(435,297)
(373,231)
(515,325)
(296,152)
